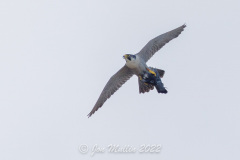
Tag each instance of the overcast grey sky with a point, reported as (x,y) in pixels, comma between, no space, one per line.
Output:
(56,57)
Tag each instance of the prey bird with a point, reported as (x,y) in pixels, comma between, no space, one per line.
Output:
(148,77)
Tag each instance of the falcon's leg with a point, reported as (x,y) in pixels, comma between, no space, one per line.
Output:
(151,71)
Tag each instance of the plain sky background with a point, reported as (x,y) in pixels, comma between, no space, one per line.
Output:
(57,55)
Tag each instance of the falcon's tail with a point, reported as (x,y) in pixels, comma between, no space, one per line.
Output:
(143,87)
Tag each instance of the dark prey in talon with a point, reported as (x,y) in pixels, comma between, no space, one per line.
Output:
(148,77)
(154,80)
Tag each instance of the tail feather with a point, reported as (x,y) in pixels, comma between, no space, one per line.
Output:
(144,87)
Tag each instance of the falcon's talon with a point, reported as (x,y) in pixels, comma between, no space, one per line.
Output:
(149,70)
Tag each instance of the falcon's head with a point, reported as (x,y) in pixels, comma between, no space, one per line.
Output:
(129,57)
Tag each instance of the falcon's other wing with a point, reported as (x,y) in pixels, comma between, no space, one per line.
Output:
(114,83)
(157,43)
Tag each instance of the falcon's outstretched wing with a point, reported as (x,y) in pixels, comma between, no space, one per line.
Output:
(114,83)
(157,43)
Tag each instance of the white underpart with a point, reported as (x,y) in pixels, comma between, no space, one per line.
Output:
(137,65)
(134,63)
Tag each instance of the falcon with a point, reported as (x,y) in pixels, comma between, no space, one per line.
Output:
(148,77)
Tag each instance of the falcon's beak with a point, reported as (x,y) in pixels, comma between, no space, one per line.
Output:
(125,56)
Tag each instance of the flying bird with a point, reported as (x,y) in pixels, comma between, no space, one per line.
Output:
(148,77)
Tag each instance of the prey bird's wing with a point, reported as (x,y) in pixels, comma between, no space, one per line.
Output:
(157,43)
(114,83)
